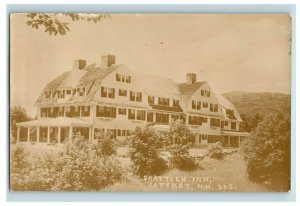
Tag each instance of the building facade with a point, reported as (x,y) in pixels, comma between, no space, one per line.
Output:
(110,97)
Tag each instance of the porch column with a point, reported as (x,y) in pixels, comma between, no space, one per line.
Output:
(28,134)
(38,135)
(18,133)
(228,140)
(58,138)
(71,132)
(239,141)
(48,135)
(90,135)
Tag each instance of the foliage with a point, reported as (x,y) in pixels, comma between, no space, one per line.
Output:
(57,23)
(216,151)
(105,145)
(267,153)
(179,140)
(144,152)
(250,122)
(78,168)
(17,114)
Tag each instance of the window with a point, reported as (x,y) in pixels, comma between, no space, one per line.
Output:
(213,107)
(205,105)
(150,99)
(122,111)
(193,104)
(61,94)
(140,115)
(176,103)
(205,93)
(85,111)
(131,114)
(138,96)
(123,78)
(233,125)
(222,124)
(226,123)
(204,119)
(111,93)
(163,101)
(195,120)
(44,112)
(175,117)
(81,91)
(132,96)
(128,79)
(61,111)
(214,122)
(103,111)
(103,92)
(107,92)
(150,117)
(122,132)
(47,94)
(68,91)
(135,96)
(122,92)
(198,105)
(162,118)
(118,77)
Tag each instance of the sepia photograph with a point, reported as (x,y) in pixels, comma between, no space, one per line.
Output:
(150,102)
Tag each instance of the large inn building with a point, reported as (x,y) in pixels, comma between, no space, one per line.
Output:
(112,98)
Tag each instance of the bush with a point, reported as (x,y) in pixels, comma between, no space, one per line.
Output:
(179,141)
(105,145)
(78,168)
(82,168)
(144,152)
(267,153)
(216,151)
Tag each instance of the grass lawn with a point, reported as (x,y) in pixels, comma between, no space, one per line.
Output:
(228,175)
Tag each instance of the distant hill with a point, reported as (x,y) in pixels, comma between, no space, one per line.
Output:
(263,103)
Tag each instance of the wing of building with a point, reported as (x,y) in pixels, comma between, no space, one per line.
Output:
(110,97)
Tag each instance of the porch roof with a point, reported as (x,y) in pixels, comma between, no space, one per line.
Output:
(235,133)
(59,121)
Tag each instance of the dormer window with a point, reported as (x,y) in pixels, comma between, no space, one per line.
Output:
(47,94)
(61,94)
(175,103)
(68,91)
(81,91)
(163,101)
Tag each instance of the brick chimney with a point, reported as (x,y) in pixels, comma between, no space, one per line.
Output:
(79,64)
(191,78)
(108,60)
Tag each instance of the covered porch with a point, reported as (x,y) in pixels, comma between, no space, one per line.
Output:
(52,130)
(232,138)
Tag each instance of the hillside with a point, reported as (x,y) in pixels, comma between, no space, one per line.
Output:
(262,103)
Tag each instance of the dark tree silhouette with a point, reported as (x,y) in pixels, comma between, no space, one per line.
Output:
(57,23)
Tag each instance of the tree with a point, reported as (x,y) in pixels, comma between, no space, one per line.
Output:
(17,114)
(144,152)
(250,122)
(55,23)
(267,153)
(179,141)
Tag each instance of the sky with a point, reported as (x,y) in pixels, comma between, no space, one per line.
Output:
(245,52)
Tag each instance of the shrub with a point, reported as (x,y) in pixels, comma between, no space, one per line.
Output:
(144,152)
(83,169)
(267,153)
(216,151)
(179,140)
(105,145)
